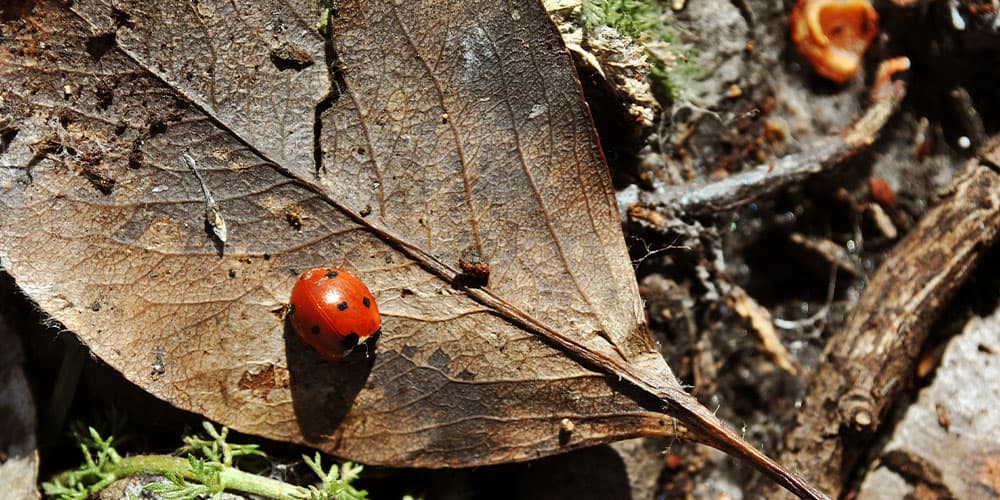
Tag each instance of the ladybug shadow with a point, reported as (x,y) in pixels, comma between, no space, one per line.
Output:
(592,473)
(323,391)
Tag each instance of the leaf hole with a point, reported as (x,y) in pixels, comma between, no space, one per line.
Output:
(122,18)
(6,138)
(288,56)
(98,46)
(157,128)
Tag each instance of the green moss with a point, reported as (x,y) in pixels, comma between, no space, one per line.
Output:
(630,17)
(649,23)
(209,467)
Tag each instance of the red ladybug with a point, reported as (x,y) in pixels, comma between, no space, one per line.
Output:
(334,312)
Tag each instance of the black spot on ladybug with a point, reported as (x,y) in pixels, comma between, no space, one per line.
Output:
(349,342)
(342,306)
(315,330)
(330,274)
(366,302)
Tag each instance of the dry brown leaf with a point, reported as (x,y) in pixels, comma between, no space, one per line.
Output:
(438,132)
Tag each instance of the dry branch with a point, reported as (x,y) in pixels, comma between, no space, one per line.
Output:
(775,175)
(870,362)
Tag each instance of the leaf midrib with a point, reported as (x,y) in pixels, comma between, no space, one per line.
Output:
(425,259)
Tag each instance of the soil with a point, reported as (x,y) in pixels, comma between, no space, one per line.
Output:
(772,248)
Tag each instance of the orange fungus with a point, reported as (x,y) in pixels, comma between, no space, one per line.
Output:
(833,34)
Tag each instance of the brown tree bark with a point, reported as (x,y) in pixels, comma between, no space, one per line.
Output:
(870,362)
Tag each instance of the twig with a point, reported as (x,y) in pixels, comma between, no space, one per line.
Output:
(869,362)
(767,178)
(972,123)
(763,326)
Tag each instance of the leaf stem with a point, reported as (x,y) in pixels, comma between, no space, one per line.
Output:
(230,477)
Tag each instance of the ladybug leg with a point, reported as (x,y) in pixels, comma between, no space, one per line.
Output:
(369,344)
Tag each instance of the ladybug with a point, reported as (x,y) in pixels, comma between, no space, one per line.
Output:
(334,312)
